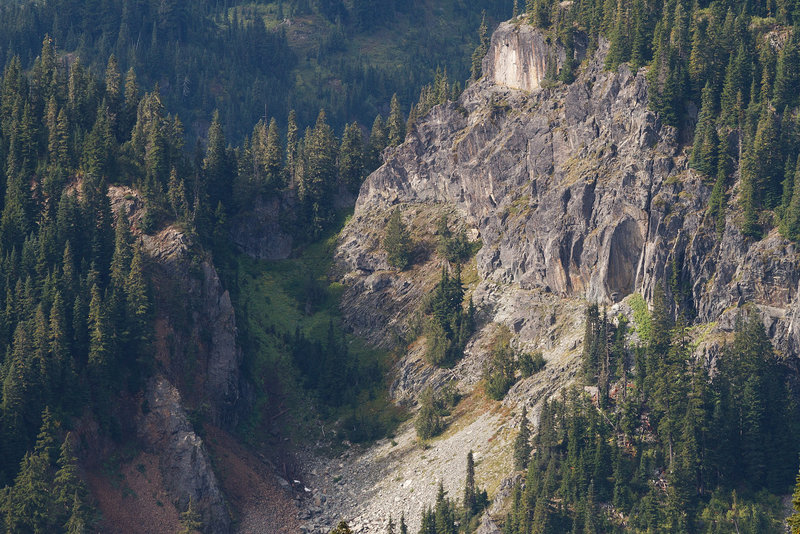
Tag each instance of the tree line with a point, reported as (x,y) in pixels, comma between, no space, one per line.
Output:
(662,441)
(737,63)
(236,56)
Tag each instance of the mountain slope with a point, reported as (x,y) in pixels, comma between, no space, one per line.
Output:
(579,193)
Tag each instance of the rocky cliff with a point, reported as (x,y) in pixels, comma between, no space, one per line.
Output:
(578,190)
(197,365)
(578,193)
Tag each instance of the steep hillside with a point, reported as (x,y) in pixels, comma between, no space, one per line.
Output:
(578,193)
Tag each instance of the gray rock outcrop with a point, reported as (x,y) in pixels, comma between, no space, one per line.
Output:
(183,459)
(577,190)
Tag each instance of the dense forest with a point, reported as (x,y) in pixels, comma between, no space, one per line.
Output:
(260,59)
(652,440)
(90,98)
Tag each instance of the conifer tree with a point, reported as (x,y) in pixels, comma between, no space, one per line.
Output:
(137,307)
(67,484)
(190,520)
(78,521)
(706,141)
(273,158)
(794,519)
(351,158)
(291,144)
(522,446)
(378,140)
(395,124)
(481,50)
(791,218)
(787,76)
(114,95)
(176,191)
(470,495)
(319,174)
(397,242)
(30,498)
(100,350)
(216,166)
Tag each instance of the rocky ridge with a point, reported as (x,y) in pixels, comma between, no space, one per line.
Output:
(578,193)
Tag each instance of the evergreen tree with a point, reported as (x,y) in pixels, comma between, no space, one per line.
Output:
(190,520)
(273,158)
(397,242)
(67,484)
(378,140)
(470,495)
(794,519)
(481,50)
(706,141)
(351,158)
(216,166)
(791,216)
(291,145)
(29,501)
(341,528)
(395,124)
(522,446)
(318,182)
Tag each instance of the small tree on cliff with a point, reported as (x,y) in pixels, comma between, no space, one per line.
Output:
(397,242)
(341,528)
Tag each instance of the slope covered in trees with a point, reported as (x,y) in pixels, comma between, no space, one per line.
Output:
(251,59)
(725,73)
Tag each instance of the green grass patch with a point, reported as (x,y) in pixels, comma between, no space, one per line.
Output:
(288,316)
(641,317)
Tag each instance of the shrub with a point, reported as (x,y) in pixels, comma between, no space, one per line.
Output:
(429,422)
(530,364)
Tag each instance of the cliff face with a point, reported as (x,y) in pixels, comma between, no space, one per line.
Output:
(578,191)
(197,365)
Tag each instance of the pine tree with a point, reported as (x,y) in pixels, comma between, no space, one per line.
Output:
(30,498)
(396,125)
(481,50)
(794,519)
(470,496)
(137,310)
(428,422)
(791,216)
(397,242)
(114,96)
(291,145)
(190,520)
(319,175)
(100,350)
(351,158)
(273,158)
(176,191)
(216,166)
(378,140)
(522,446)
(78,522)
(706,141)
(341,528)
(67,484)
